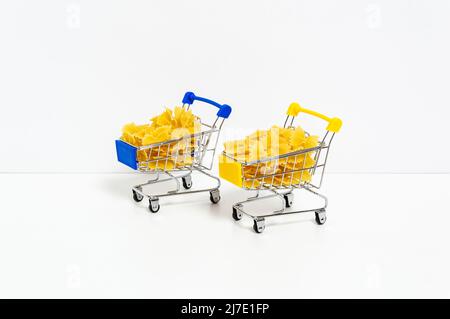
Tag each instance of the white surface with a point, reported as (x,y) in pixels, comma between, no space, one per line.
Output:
(73,72)
(81,235)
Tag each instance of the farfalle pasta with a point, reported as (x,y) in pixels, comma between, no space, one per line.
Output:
(171,125)
(274,142)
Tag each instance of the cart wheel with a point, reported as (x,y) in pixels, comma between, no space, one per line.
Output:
(237,215)
(154,205)
(321,217)
(259,225)
(289,199)
(214,196)
(137,197)
(187,182)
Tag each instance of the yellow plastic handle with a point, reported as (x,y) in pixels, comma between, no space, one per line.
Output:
(334,124)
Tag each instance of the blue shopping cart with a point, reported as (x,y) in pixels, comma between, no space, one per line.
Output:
(175,160)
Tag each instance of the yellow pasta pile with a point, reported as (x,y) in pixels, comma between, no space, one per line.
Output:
(270,143)
(169,125)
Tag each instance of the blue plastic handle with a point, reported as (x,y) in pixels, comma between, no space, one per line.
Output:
(224,109)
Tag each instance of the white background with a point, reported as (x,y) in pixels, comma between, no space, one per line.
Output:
(73,72)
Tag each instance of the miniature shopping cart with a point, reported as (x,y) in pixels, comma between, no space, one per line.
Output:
(281,175)
(175,160)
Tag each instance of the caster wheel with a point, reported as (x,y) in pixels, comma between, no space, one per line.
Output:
(214,196)
(187,182)
(289,199)
(259,226)
(154,206)
(321,217)
(137,197)
(237,215)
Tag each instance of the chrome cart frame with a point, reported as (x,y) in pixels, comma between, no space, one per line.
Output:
(177,159)
(273,175)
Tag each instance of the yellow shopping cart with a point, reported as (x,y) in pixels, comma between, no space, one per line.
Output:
(280,175)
